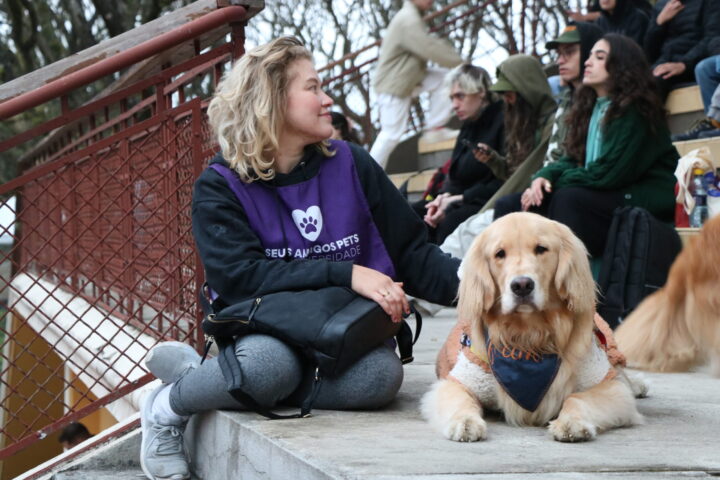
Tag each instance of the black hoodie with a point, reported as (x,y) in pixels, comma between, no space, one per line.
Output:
(590,33)
(234,259)
(625,19)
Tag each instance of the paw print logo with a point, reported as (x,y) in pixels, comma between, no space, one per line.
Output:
(309,222)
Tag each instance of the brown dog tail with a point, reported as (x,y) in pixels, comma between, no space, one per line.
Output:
(655,335)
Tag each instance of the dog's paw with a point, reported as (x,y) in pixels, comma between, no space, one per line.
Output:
(567,429)
(466,428)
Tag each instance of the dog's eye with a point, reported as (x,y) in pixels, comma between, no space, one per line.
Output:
(500,253)
(539,250)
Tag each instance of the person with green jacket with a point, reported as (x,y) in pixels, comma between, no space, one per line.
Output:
(618,150)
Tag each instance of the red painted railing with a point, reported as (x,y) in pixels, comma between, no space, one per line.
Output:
(99,261)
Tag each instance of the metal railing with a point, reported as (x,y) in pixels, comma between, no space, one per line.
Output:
(99,262)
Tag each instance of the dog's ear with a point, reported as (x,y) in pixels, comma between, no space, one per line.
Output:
(573,278)
(477,288)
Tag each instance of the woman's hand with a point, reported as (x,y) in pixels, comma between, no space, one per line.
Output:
(433,206)
(533,196)
(669,11)
(382,289)
(482,153)
(437,208)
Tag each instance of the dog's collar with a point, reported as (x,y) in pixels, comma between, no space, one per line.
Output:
(466,342)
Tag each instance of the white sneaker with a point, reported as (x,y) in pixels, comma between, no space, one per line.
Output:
(169,361)
(162,452)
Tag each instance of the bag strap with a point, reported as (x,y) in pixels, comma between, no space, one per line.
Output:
(232,371)
(405,338)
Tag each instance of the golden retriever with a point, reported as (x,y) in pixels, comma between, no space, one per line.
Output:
(678,327)
(526,288)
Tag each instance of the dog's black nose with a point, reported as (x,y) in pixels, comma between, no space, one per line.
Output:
(522,286)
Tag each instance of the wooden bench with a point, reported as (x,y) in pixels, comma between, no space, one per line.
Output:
(417,180)
(684,100)
(686,234)
(713,144)
(685,107)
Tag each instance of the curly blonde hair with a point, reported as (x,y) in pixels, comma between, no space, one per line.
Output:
(247,111)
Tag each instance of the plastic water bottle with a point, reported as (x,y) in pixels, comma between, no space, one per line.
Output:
(700,213)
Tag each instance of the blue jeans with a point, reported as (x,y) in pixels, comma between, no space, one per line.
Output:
(707,75)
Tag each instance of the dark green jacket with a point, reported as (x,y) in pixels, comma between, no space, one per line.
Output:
(633,159)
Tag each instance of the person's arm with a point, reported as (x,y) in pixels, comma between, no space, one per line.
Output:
(655,35)
(552,171)
(623,157)
(498,165)
(424,269)
(638,27)
(710,30)
(417,40)
(234,259)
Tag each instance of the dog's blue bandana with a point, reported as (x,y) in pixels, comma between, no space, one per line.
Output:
(525,377)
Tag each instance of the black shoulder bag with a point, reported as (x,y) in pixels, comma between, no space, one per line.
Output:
(332,326)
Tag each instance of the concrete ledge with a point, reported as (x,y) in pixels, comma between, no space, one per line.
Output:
(679,439)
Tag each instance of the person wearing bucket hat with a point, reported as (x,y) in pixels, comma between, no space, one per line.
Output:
(529,107)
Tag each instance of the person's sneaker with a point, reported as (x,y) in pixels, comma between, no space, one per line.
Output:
(162,451)
(169,361)
(695,131)
(710,133)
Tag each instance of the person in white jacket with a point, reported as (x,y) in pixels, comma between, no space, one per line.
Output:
(402,74)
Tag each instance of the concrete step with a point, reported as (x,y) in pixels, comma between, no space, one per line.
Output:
(100,475)
(679,439)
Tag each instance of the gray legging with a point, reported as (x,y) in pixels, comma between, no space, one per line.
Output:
(274,373)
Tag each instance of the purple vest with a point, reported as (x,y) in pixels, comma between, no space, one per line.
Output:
(326,217)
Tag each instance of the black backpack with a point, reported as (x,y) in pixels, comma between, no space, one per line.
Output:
(639,252)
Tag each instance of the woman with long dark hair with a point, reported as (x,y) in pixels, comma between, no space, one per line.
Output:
(618,149)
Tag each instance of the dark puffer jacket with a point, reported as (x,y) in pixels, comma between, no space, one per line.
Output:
(681,39)
(625,19)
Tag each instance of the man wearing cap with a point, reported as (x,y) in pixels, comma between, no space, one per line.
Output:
(572,49)
(402,74)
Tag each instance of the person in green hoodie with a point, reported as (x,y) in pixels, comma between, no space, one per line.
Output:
(522,81)
(618,150)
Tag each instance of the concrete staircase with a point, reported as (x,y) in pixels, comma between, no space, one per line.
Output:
(678,440)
